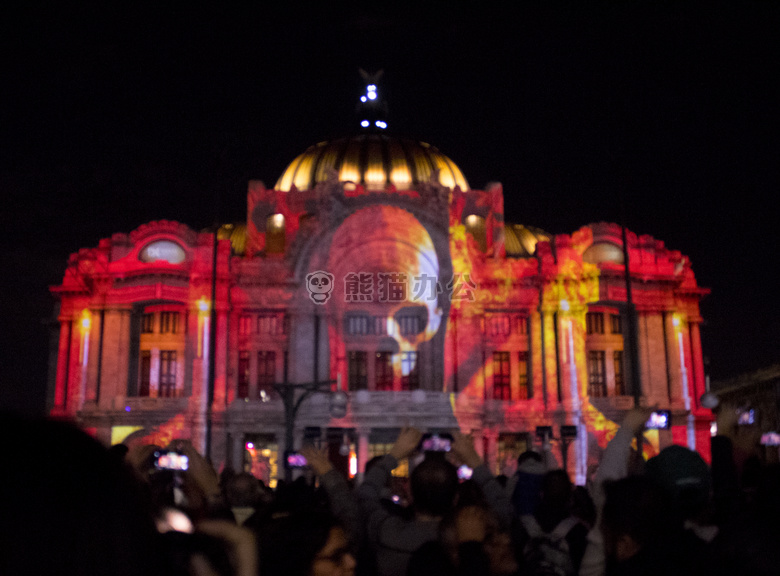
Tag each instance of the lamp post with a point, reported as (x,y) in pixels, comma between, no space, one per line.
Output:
(292,396)
(212,351)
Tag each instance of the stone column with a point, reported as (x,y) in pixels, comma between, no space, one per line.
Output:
(74,371)
(566,358)
(93,361)
(550,360)
(221,360)
(116,357)
(154,375)
(698,384)
(535,378)
(674,368)
(232,350)
(63,365)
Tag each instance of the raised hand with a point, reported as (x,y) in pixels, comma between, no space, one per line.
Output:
(318,459)
(636,418)
(406,443)
(463,448)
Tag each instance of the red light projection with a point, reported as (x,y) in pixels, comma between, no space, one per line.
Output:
(424,305)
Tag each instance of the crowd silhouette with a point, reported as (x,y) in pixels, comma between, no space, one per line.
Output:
(70,506)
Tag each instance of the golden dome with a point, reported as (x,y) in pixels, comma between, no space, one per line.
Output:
(520,241)
(373,160)
(236,233)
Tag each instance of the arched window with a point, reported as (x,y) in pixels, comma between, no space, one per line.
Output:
(475,225)
(274,234)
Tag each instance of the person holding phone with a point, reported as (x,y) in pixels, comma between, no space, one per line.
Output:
(434,483)
(343,504)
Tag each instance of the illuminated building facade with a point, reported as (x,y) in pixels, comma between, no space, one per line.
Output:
(373,264)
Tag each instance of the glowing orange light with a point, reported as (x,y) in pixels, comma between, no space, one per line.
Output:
(277,221)
(352,464)
(84,325)
(204,305)
(86,321)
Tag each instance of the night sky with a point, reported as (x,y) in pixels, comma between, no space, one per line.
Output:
(117,114)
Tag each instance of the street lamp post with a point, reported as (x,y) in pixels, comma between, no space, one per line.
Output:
(212,351)
(293,396)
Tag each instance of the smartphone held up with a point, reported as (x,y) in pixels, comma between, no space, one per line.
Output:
(659,420)
(295,460)
(170,460)
(436,443)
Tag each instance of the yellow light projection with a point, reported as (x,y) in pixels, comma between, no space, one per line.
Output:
(400,175)
(85,322)
(302,172)
(119,433)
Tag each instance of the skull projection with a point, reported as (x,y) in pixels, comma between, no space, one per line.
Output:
(320,286)
(389,247)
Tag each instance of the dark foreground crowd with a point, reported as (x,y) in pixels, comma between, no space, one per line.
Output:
(69,506)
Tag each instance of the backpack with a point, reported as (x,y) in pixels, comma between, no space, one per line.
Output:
(547,554)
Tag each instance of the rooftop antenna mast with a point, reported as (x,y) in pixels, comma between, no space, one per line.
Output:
(372,109)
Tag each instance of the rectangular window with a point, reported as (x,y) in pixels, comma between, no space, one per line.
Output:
(410,371)
(266,374)
(522,324)
(243,375)
(383,370)
(245,325)
(502,382)
(594,323)
(499,325)
(168,374)
(267,324)
(409,324)
(147,324)
(169,322)
(597,378)
(380,325)
(272,323)
(620,384)
(358,370)
(358,325)
(526,390)
(617,324)
(145,373)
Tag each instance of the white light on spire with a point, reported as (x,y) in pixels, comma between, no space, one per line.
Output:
(363,98)
(372,95)
(381,124)
(371,87)
(365,123)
